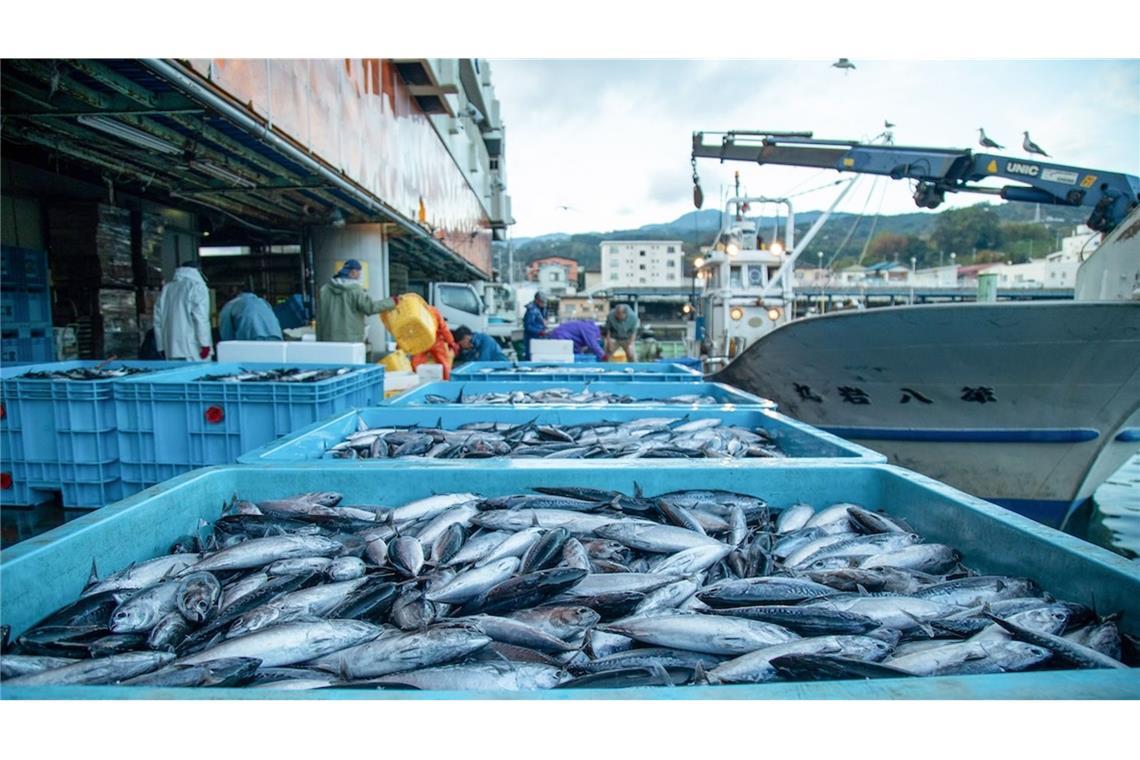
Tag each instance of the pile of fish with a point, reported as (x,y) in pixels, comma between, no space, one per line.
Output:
(289,375)
(648,438)
(560,588)
(84,373)
(565,396)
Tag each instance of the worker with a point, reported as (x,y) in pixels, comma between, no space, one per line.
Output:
(443,351)
(534,322)
(476,347)
(585,334)
(621,330)
(247,316)
(342,306)
(182,316)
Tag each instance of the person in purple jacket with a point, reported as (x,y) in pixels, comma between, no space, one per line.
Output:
(585,334)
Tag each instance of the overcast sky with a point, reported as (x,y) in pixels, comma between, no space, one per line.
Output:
(611,139)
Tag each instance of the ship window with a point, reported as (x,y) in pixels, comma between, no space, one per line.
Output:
(734,278)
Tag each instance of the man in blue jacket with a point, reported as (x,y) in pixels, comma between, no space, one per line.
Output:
(476,347)
(248,317)
(534,322)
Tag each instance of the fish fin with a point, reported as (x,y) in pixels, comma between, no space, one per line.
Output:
(659,670)
(922,625)
(700,676)
(862,589)
(93,578)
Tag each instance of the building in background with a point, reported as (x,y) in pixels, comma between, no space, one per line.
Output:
(642,263)
(594,309)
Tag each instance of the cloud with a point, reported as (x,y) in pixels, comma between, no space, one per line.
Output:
(612,138)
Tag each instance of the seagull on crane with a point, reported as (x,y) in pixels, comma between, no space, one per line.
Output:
(986,142)
(1031,147)
(843,63)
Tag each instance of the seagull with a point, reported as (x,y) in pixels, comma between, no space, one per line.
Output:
(843,63)
(986,142)
(1031,147)
(888,124)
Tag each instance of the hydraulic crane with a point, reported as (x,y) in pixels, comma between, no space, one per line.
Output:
(936,171)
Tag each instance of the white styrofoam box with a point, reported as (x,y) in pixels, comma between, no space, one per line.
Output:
(316,352)
(252,351)
(429,372)
(552,350)
(400,381)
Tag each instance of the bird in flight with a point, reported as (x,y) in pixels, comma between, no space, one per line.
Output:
(986,142)
(888,124)
(843,63)
(1031,147)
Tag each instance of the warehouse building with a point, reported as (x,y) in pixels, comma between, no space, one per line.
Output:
(114,171)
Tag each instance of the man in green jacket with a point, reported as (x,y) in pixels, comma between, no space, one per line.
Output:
(342,306)
(621,331)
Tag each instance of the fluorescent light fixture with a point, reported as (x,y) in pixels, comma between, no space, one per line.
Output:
(222,173)
(128,133)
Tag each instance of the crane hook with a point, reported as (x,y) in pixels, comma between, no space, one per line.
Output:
(698,194)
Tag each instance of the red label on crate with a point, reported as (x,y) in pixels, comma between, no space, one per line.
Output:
(215,414)
(5,480)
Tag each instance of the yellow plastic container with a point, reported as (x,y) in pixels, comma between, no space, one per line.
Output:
(618,355)
(397,361)
(411,323)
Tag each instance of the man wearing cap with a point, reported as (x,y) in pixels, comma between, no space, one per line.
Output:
(534,322)
(342,306)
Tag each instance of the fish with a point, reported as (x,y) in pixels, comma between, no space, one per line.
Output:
(756,666)
(102,670)
(478,676)
(290,643)
(710,634)
(470,584)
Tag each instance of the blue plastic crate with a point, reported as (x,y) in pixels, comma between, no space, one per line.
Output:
(26,344)
(530,372)
(25,308)
(62,432)
(794,438)
(44,573)
(23,268)
(585,358)
(174,422)
(646,393)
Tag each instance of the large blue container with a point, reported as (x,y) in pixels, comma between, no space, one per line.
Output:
(794,438)
(646,393)
(570,371)
(44,573)
(59,435)
(171,423)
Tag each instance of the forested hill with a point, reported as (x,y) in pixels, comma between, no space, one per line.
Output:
(977,233)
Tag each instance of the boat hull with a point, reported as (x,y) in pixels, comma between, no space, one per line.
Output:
(1029,405)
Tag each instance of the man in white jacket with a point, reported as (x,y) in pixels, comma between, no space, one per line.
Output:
(182,316)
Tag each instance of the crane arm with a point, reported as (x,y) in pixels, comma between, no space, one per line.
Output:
(937,171)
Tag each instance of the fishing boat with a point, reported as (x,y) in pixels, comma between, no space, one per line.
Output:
(1029,405)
